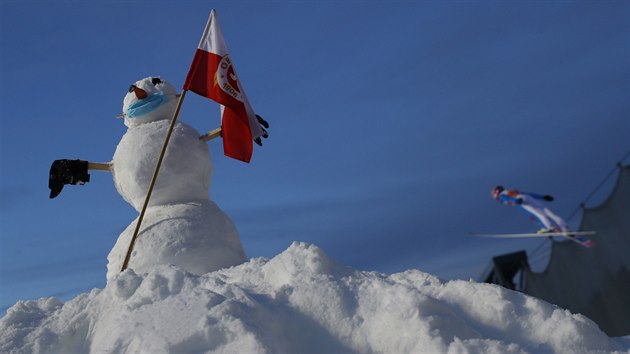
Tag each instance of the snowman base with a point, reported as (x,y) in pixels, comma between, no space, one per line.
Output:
(197,237)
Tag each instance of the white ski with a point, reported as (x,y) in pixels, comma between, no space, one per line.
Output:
(534,234)
(575,236)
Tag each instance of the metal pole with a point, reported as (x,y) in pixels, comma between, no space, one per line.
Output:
(153,179)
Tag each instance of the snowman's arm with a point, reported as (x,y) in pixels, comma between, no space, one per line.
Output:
(100,166)
(217,132)
(211,135)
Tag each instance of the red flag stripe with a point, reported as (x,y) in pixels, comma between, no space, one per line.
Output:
(237,138)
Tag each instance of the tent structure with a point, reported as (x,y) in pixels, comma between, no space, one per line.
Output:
(504,268)
(592,281)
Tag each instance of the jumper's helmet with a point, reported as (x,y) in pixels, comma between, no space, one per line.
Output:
(496,191)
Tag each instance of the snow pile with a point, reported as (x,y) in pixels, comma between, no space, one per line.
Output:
(299,301)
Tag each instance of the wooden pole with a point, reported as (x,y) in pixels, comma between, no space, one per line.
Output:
(153,179)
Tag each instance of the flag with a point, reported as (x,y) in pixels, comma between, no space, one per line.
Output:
(212,75)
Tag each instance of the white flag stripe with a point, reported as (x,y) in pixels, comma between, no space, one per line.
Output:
(212,39)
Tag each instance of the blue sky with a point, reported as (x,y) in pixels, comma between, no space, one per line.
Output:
(390,123)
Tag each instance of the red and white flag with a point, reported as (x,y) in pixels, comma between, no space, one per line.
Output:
(212,75)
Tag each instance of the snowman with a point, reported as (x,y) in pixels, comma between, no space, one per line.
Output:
(181,225)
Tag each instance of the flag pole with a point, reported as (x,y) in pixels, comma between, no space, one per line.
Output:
(153,179)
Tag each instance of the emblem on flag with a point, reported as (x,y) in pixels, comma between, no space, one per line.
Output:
(226,78)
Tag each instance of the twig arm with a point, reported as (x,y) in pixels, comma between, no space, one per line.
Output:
(100,166)
(211,135)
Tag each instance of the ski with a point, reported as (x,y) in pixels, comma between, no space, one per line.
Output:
(584,241)
(535,234)
(575,236)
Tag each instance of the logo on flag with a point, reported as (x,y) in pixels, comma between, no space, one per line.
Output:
(226,78)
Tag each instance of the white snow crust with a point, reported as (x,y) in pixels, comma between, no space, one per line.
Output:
(300,301)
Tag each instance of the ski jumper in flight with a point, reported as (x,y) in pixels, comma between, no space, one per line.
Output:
(529,203)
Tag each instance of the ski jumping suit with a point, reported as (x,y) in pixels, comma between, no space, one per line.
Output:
(528,202)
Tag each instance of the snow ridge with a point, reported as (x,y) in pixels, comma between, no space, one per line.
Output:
(299,301)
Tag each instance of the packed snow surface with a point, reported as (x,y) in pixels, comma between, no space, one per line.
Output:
(297,302)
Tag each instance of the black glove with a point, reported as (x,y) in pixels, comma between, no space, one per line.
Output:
(264,124)
(519,201)
(262,121)
(67,172)
(548,198)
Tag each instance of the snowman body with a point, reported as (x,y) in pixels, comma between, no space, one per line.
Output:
(181,225)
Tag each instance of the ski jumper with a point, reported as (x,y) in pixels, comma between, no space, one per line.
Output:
(529,203)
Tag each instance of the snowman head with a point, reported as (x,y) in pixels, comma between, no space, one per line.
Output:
(149,100)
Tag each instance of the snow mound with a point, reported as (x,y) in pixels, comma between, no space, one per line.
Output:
(299,301)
